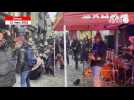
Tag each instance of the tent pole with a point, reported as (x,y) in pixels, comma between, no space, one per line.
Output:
(65,56)
(92,38)
(54,56)
(117,42)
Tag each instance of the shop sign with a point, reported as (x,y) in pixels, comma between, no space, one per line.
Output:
(112,18)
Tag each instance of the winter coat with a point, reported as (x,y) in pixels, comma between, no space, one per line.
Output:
(76,47)
(22,63)
(99,49)
(7,69)
(84,51)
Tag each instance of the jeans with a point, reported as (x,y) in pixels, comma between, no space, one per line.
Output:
(86,64)
(96,72)
(25,81)
(76,61)
(97,79)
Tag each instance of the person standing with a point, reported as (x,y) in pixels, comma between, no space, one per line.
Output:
(50,60)
(7,69)
(25,60)
(76,47)
(68,49)
(86,46)
(99,52)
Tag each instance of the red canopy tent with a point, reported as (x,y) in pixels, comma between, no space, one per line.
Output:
(73,21)
(92,20)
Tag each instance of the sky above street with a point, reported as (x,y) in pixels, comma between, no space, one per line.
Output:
(52,15)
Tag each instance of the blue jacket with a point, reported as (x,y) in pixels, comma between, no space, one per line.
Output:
(99,48)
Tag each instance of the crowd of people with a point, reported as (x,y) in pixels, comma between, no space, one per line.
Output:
(83,49)
(32,62)
(94,55)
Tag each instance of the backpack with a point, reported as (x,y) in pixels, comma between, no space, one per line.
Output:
(31,60)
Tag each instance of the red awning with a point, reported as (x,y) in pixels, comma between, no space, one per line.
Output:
(91,20)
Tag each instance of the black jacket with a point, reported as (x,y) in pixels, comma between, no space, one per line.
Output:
(76,46)
(22,64)
(7,69)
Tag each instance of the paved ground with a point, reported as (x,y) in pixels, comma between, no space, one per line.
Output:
(46,80)
(74,74)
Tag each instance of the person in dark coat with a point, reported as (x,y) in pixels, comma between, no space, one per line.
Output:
(7,69)
(76,47)
(68,49)
(99,53)
(23,60)
(99,49)
(86,46)
(50,61)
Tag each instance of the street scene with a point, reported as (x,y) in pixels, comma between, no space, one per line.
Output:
(99,48)
(66,49)
(27,51)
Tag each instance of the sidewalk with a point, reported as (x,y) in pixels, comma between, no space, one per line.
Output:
(46,80)
(73,74)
